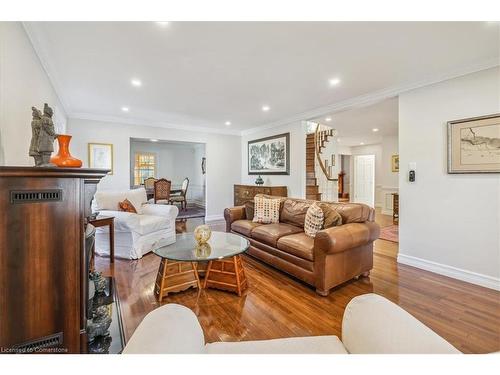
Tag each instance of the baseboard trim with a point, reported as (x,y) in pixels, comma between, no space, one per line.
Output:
(210,218)
(456,273)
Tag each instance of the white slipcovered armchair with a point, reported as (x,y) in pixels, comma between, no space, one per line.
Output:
(371,325)
(153,225)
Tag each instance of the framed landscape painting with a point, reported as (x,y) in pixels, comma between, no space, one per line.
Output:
(474,145)
(101,156)
(270,155)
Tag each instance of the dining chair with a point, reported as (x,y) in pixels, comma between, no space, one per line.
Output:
(149,183)
(162,191)
(182,197)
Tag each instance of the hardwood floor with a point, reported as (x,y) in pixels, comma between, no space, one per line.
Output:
(276,305)
(384,247)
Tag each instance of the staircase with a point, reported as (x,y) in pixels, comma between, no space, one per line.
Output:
(315,143)
(312,188)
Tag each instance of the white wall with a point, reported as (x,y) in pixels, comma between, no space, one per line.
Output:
(23,84)
(449,223)
(222,151)
(175,161)
(296,180)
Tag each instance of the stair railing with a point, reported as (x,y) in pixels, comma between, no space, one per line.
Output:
(320,137)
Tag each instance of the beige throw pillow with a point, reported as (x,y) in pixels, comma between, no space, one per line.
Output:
(314,220)
(332,217)
(266,210)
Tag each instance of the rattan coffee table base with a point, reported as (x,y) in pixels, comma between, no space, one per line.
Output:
(226,274)
(174,276)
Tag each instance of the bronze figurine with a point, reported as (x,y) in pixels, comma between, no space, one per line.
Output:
(43,135)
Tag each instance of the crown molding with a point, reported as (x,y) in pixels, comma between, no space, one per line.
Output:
(376,96)
(153,124)
(40,51)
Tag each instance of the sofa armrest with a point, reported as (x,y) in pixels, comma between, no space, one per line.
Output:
(165,210)
(169,329)
(232,214)
(374,325)
(347,236)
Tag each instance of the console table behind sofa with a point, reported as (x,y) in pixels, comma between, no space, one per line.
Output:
(244,193)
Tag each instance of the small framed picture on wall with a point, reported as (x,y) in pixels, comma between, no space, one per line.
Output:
(395,163)
(101,156)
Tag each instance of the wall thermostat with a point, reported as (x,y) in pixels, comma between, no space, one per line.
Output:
(412,171)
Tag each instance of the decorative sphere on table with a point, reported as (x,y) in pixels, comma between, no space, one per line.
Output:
(203,250)
(202,233)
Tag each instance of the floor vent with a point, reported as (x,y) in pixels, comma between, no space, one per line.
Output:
(38,345)
(35,196)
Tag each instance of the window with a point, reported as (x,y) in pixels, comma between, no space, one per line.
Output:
(144,167)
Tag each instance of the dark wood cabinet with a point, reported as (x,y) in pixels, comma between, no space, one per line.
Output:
(244,193)
(43,271)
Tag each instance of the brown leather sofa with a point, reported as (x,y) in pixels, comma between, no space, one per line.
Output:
(334,256)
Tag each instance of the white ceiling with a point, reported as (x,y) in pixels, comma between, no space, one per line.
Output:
(202,74)
(355,126)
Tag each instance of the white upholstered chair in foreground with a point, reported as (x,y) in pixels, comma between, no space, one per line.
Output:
(136,234)
(371,325)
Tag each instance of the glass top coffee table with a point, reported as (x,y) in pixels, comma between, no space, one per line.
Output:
(179,263)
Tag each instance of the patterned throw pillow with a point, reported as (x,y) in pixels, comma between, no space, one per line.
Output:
(127,206)
(314,220)
(267,210)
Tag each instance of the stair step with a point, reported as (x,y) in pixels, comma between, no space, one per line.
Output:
(310,175)
(311,181)
(312,189)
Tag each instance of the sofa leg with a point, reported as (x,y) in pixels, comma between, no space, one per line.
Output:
(365,274)
(322,292)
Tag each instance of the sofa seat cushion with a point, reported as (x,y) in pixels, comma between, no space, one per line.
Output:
(244,227)
(149,224)
(300,244)
(271,233)
(291,345)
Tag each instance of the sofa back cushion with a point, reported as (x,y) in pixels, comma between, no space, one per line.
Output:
(354,212)
(110,200)
(294,211)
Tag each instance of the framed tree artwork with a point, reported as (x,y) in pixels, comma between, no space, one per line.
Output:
(474,145)
(270,155)
(101,156)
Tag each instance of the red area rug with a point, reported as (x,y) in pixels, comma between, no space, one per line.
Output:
(390,233)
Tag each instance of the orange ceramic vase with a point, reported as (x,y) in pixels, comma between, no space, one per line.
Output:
(63,157)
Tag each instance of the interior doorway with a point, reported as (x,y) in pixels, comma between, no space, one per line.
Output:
(364,179)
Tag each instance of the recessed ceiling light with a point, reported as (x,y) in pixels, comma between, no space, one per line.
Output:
(125,109)
(162,23)
(328,119)
(153,140)
(334,81)
(136,82)
(361,143)
(338,139)
(266,108)
(228,123)
(375,130)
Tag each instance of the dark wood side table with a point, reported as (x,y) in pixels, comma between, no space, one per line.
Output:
(395,208)
(102,222)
